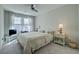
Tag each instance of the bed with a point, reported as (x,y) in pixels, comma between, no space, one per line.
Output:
(33,41)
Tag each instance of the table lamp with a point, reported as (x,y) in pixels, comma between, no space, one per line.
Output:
(60,28)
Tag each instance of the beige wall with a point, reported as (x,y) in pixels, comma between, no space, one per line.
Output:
(67,15)
(1,23)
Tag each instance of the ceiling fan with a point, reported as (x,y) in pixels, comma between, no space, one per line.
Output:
(34,7)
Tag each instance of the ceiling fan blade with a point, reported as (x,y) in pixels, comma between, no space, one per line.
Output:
(33,8)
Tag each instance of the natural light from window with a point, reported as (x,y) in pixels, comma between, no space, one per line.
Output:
(22,24)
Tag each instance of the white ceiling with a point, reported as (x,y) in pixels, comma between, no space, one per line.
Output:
(25,8)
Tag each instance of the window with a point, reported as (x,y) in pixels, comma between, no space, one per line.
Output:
(27,23)
(16,20)
(22,24)
(16,23)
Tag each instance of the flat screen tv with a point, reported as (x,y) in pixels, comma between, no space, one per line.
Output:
(12,31)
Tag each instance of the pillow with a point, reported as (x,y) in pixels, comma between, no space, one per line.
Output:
(51,32)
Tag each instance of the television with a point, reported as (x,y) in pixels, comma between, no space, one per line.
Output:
(12,31)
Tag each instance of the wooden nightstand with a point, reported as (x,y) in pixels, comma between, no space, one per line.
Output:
(59,39)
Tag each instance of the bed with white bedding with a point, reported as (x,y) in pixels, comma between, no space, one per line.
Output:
(33,40)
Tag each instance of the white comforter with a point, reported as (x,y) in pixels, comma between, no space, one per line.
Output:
(33,40)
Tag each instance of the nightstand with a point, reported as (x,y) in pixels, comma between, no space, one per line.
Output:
(59,39)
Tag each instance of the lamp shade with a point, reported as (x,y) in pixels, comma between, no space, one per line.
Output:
(60,26)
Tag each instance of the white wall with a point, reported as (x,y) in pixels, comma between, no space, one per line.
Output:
(67,15)
(1,24)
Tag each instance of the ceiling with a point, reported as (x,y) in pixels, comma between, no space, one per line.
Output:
(25,8)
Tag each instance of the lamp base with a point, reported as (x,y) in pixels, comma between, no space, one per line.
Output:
(60,31)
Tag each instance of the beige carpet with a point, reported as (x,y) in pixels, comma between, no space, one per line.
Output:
(14,48)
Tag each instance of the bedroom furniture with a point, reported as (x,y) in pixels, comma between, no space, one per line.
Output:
(33,40)
(10,38)
(12,31)
(59,38)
